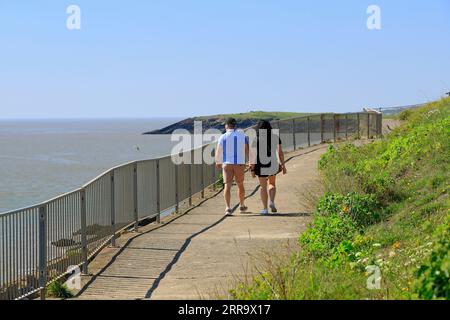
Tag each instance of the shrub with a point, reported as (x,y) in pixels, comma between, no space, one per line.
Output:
(405,114)
(364,210)
(338,219)
(219,182)
(326,234)
(433,278)
(258,290)
(58,290)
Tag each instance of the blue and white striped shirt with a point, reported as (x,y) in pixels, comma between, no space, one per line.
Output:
(231,147)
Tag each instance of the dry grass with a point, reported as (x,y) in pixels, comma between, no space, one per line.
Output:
(308,197)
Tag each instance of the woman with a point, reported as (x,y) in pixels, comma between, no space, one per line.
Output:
(268,165)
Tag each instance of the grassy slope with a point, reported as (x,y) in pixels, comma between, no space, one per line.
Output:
(244,120)
(387,205)
(256,115)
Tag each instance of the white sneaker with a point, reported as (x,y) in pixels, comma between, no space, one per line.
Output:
(228,211)
(264,211)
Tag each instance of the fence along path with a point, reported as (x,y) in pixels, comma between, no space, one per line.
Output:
(39,243)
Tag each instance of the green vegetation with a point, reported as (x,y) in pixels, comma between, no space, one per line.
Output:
(433,275)
(58,290)
(244,120)
(219,183)
(390,116)
(386,206)
(252,115)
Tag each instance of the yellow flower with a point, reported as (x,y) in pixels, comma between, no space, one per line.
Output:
(396,245)
(345,209)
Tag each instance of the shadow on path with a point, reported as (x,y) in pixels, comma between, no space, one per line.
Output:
(184,247)
(274,215)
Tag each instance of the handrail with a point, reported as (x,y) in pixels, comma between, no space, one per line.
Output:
(38,243)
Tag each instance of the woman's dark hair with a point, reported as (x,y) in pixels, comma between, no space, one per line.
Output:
(264,124)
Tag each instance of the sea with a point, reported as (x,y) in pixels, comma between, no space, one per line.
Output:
(41,159)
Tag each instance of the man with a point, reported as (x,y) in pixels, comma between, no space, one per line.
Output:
(231,154)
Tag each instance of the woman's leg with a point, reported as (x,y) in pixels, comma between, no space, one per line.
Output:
(272,188)
(263,191)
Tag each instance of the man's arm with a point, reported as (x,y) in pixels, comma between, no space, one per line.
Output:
(247,151)
(219,153)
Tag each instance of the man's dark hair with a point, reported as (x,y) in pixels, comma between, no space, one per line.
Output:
(231,122)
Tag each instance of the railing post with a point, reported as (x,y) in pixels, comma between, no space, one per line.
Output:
(213,167)
(135,197)
(84,249)
(177,183)
(346,127)
(358,126)
(380,125)
(42,250)
(158,193)
(308,133)
(113,211)
(190,179)
(321,127)
(203,176)
(368,125)
(335,127)
(293,133)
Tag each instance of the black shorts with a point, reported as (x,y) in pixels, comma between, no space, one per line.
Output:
(258,170)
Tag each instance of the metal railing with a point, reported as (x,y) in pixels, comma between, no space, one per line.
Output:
(39,243)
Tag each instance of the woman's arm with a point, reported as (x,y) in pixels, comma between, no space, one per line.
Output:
(281,156)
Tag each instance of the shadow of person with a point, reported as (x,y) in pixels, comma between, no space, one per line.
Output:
(274,215)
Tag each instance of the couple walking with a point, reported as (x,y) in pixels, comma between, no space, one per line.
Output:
(265,160)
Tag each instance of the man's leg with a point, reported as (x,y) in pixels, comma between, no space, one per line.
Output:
(228,176)
(227,194)
(239,174)
(241,193)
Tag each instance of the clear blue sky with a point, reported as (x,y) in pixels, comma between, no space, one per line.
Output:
(189,57)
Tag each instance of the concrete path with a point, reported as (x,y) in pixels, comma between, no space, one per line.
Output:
(202,253)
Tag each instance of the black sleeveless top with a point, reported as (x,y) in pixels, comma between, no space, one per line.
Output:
(269,168)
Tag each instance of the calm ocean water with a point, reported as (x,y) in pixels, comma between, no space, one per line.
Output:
(40,159)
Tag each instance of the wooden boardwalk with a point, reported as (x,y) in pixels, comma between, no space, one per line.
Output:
(201,254)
